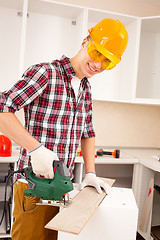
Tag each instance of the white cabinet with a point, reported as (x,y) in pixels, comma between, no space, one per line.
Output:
(123,173)
(148,84)
(6,167)
(34,31)
(52,30)
(121,169)
(10,28)
(115,218)
(141,189)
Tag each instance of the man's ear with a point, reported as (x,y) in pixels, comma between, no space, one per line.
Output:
(84,43)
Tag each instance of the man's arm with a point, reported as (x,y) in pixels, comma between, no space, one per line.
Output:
(29,87)
(32,84)
(88,152)
(41,157)
(13,129)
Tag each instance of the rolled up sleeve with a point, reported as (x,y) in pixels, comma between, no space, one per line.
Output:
(29,87)
(88,130)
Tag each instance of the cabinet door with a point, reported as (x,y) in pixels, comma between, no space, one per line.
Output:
(117,84)
(52,30)
(148,84)
(10,28)
(142,179)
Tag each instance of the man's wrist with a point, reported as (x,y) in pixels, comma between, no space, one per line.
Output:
(36,148)
(33,145)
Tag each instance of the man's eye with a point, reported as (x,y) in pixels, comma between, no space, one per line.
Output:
(98,53)
(107,60)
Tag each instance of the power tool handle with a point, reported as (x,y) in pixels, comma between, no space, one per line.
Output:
(26,171)
(107,153)
(100,152)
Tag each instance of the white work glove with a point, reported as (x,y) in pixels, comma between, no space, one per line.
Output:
(42,161)
(92,180)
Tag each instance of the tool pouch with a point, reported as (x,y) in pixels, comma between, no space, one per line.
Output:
(30,219)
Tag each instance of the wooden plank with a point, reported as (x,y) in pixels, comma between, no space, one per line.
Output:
(73,218)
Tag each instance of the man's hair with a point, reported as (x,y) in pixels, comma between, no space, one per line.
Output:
(89,37)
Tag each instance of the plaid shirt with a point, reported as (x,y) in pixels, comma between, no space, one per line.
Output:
(52,114)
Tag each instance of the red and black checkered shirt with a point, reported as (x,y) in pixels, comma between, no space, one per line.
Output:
(52,114)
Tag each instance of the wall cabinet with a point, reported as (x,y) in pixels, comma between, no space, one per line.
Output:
(147,87)
(10,28)
(34,31)
(52,30)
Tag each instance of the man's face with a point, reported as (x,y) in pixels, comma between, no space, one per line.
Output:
(88,67)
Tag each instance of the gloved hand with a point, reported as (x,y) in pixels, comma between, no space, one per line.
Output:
(42,161)
(92,180)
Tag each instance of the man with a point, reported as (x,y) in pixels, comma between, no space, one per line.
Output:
(57,103)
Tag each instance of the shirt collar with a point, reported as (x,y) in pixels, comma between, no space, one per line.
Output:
(70,70)
(67,67)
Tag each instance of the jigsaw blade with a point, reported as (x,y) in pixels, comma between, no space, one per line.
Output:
(63,203)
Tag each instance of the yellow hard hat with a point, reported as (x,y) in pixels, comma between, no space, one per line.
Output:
(110,38)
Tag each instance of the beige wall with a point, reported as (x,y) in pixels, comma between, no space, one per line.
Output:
(126,125)
(138,8)
(120,124)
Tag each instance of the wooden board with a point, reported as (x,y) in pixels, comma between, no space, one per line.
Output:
(73,218)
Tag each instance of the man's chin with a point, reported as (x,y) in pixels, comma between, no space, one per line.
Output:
(91,75)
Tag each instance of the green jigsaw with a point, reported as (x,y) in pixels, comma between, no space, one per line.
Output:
(49,189)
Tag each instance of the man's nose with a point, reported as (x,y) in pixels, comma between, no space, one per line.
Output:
(98,65)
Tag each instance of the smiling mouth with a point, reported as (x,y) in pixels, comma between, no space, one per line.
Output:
(92,69)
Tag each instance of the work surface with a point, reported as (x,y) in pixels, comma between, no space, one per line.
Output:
(84,203)
(145,156)
(115,218)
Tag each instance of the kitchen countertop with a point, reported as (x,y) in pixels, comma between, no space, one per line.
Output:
(14,156)
(145,156)
(124,158)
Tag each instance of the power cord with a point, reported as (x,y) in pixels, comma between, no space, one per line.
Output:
(5,195)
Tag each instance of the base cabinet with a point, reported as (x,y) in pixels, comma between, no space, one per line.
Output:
(129,176)
(6,206)
(115,218)
(148,202)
